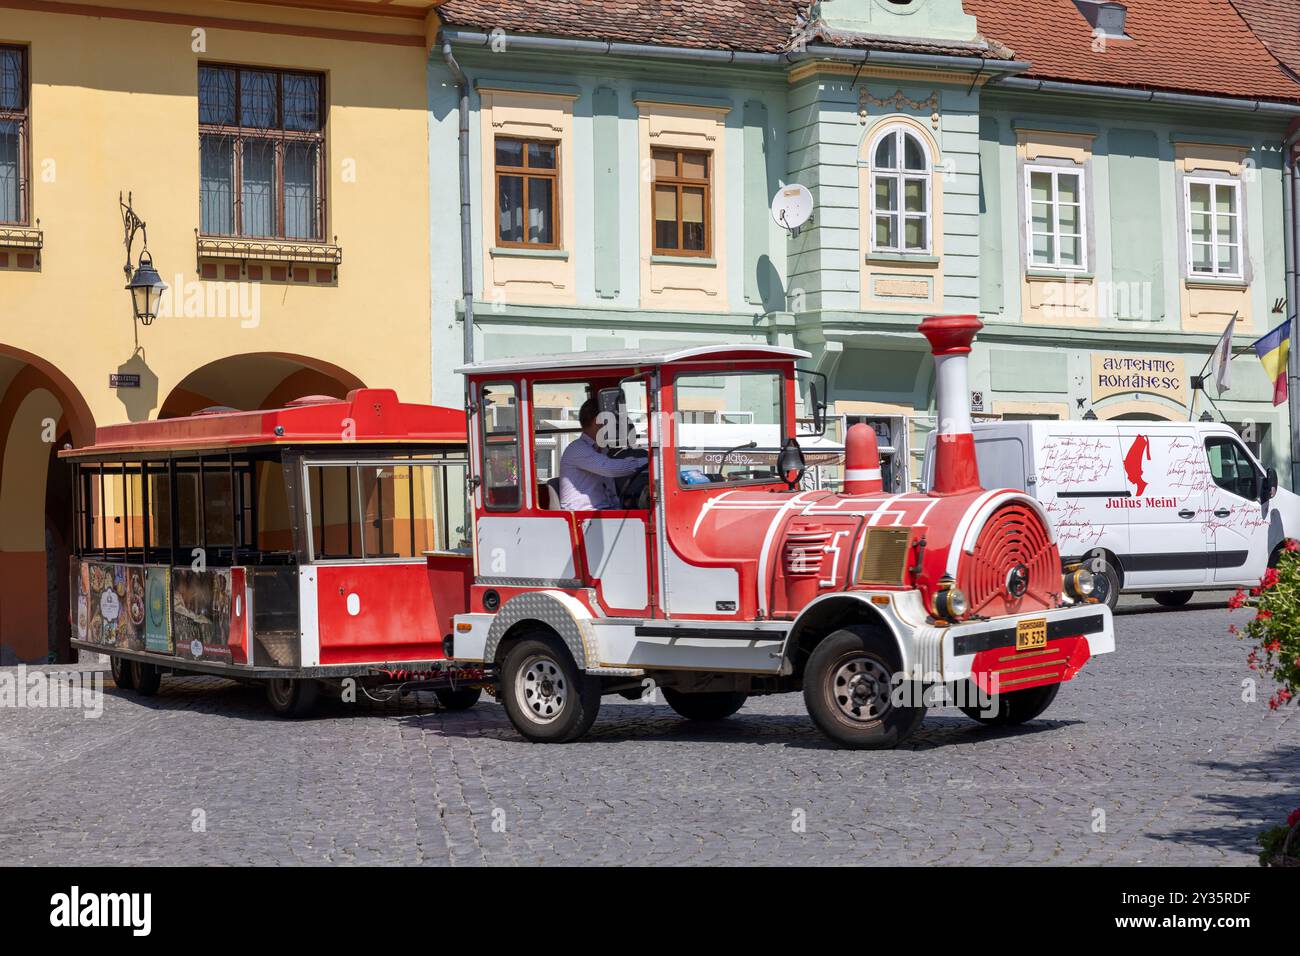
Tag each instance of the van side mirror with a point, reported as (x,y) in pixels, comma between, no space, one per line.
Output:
(1268,485)
(790,464)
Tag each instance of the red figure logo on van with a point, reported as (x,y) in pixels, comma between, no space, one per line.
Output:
(1140,448)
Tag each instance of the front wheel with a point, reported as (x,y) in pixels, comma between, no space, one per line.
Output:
(711,705)
(1014,708)
(847,688)
(462,699)
(545,695)
(1106,580)
(1172,598)
(290,697)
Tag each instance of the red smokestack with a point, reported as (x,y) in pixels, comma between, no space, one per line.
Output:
(955,467)
(861,460)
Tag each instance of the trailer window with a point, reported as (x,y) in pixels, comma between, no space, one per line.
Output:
(500,427)
(160,510)
(335,523)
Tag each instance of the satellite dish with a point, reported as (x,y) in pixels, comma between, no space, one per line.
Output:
(792,206)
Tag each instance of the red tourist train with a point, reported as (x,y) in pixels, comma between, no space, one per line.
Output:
(336,539)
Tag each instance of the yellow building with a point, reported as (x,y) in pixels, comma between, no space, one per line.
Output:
(278,153)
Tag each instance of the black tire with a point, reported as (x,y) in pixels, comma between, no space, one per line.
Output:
(847,687)
(146,678)
(1107,580)
(1016,707)
(711,705)
(462,699)
(545,695)
(1172,598)
(292,697)
(123,672)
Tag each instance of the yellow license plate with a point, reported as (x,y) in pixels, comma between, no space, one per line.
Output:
(1031,633)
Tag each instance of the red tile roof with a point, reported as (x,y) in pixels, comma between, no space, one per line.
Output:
(1277,23)
(759,26)
(1191,46)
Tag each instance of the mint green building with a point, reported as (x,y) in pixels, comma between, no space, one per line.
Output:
(1107,203)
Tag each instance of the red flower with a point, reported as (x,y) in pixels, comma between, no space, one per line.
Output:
(1263,615)
(1293,818)
(1270,578)
(1237,600)
(1292,544)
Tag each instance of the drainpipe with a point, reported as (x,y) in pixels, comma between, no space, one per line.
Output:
(1291,238)
(466,223)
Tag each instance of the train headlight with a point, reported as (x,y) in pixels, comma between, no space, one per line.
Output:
(950,601)
(1080,584)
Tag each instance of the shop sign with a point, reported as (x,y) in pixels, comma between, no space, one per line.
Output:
(1114,373)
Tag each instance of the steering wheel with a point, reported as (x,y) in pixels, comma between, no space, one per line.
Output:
(634,489)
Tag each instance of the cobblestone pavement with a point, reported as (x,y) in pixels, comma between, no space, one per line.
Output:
(1156,737)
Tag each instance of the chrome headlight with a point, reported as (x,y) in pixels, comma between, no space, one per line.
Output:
(1079,584)
(950,602)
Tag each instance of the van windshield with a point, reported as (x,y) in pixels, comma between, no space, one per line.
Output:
(730,427)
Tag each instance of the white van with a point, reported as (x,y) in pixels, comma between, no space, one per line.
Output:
(1161,509)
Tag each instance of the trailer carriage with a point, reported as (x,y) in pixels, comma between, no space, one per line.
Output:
(295,546)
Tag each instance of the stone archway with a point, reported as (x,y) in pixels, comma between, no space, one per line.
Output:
(40,412)
(256,380)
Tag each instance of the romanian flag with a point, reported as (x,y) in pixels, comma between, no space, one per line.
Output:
(1272,350)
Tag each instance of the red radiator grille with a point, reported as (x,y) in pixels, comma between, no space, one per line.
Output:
(1013,535)
(804,551)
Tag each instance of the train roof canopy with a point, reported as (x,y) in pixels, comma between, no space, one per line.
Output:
(630,358)
(366,416)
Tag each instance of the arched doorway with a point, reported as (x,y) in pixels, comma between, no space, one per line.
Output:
(256,380)
(40,412)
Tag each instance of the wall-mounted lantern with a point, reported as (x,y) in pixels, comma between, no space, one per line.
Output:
(145,284)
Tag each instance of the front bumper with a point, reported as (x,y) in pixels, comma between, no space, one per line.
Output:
(985,651)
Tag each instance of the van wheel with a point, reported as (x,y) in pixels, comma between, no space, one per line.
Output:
(545,695)
(1172,598)
(291,697)
(1106,580)
(712,705)
(146,678)
(458,699)
(1016,707)
(123,674)
(847,687)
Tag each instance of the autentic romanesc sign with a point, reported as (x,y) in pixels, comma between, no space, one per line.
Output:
(1114,373)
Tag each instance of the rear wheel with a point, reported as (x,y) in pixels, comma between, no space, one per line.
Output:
(545,695)
(291,697)
(458,699)
(847,688)
(711,705)
(1016,707)
(146,678)
(123,674)
(1172,598)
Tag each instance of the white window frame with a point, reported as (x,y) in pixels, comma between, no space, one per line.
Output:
(1055,172)
(900,175)
(1214,271)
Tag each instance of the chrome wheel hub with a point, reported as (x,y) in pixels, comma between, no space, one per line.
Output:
(860,687)
(542,689)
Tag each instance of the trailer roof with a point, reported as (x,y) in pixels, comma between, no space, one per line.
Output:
(629,358)
(368,416)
